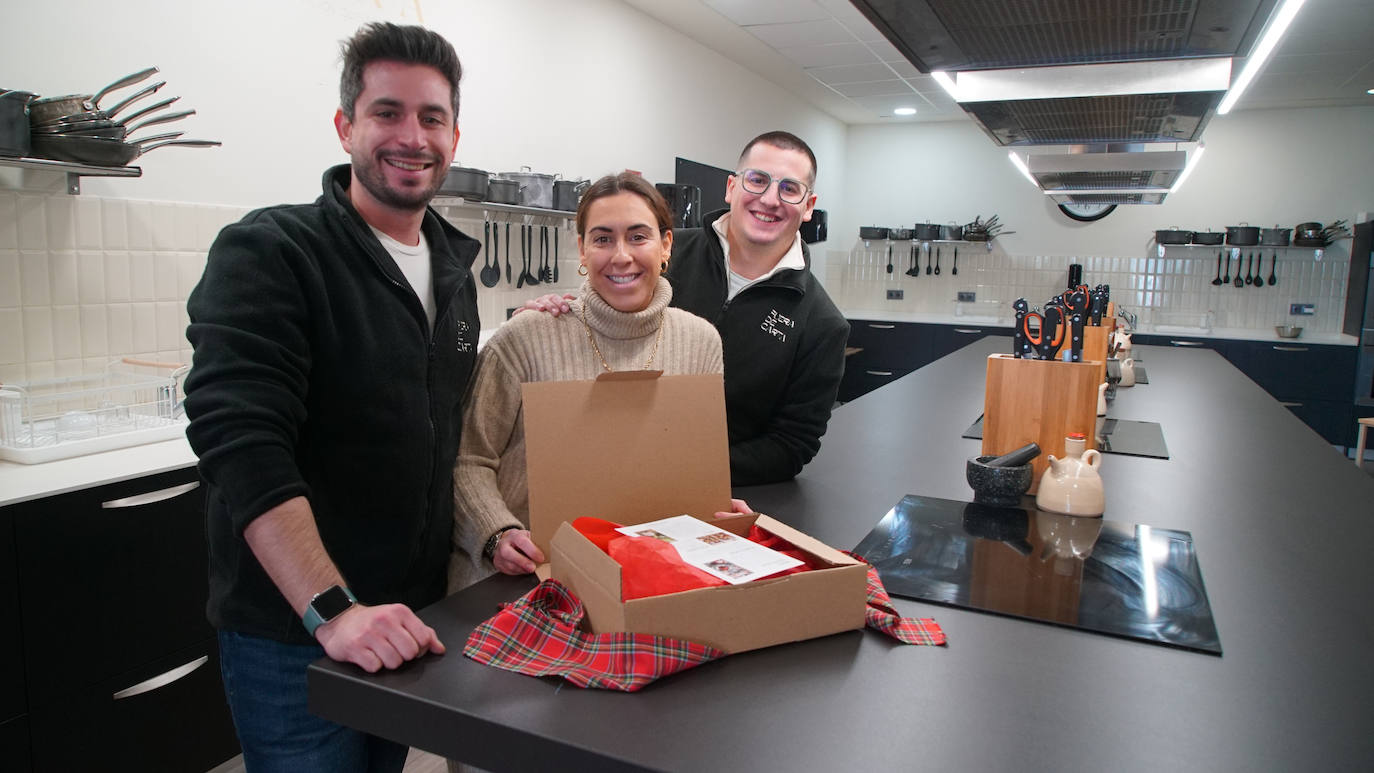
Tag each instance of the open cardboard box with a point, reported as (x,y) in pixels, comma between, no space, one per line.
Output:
(637,446)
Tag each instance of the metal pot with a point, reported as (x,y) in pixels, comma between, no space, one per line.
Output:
(536,190)
(1243,235)
(466,182)
(502,191)
(1209,237)
(1275,237)
(14,122)
(900,234)
(1173,236)
(814,230)
(952,232)
(871,232)
(684,201)
(566,194)
(927,232)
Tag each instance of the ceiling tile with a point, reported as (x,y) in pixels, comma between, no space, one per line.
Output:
(805,33)
(875,88)
(745,12)
(885,51)
(1338,63)
(834,55)
(906,69)
(854,73)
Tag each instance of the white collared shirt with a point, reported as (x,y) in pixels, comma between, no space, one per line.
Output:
(790,260)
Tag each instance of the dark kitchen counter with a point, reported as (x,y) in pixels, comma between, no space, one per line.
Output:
(1284,531)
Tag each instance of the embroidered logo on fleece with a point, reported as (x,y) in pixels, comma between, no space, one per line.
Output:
(464,342)
(776,325)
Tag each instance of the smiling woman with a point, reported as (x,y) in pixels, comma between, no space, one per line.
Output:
(620,321)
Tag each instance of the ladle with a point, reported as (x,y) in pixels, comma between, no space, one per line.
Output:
(491,274)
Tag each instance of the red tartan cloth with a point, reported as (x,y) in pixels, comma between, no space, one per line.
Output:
(538,635)
(882,616)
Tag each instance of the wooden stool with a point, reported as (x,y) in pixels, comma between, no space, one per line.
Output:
(1365,423)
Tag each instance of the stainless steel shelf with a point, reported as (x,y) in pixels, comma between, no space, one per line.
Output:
(74,172)
(491,206)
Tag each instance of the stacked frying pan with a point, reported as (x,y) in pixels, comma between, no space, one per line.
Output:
(99,130)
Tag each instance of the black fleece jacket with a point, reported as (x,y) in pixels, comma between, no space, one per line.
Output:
(783,342)
(315,374)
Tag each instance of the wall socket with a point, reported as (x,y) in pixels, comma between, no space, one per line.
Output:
(1302,309)
(964,296)
(894,295)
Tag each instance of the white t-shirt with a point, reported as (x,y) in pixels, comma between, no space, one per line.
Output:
(792,259)
(414,263)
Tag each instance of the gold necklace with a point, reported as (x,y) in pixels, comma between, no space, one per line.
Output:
(662,319)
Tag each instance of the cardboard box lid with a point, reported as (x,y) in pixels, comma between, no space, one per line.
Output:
(630,447)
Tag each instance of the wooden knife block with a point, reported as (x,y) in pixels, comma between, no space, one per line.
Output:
(1039,401)
(1095,340)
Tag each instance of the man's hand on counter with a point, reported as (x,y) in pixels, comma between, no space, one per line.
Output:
(516,553)
(377,637)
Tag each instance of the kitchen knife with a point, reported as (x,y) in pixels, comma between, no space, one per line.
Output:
(1020,342)
(1052,331)
(1078,312)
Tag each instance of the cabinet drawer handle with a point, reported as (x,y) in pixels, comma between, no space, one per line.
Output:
(161,680)
(152,496)
(1290,405)
(1290,348)
(881,327)
(1185,343)
(878,372)
(966,330)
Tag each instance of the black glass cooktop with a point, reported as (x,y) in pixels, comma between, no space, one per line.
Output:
(1119,436)
(1121,579)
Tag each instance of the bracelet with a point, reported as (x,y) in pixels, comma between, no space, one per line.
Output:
(489,549)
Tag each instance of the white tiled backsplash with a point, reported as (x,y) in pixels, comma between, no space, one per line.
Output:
(1173,291)
(86,280)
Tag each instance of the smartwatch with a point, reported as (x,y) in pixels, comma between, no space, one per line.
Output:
(327,605)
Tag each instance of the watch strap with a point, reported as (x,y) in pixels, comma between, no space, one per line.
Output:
(489,549)
(312,617)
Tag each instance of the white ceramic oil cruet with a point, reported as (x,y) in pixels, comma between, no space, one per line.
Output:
(1127,372)
(1072,485)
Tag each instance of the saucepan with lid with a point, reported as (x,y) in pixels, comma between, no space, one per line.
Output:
(536,190)
(14,122)
(1243,235)
(466,182)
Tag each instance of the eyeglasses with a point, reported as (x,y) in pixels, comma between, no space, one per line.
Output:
(757,182)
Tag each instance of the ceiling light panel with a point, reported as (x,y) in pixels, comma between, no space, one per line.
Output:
(874,89)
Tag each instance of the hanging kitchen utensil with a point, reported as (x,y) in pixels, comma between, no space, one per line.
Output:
(915,269)
(1226,280)
(1273,278)
(911,258)
(937,261)
(1217,281)
(524,265)
(555,252)
(546,273)
(53,108)
(889,256)
(1249,264)
(1259,269)
(491,273)
(508,252)
(955,270)
(531,278)
(1239,282)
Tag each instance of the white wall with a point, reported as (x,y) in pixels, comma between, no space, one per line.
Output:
(1262,167)
(577,87)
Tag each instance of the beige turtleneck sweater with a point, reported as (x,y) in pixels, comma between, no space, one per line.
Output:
(490,486)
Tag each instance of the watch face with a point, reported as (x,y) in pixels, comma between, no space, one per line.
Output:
(331,603)
(1087,213)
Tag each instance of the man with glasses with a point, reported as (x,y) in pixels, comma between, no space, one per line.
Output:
(748,272)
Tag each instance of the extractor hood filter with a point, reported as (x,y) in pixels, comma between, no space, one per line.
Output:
(1127,118)
(1110,198)
(1099,171)
(991,34)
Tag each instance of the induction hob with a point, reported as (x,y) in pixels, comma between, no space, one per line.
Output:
(1118,436)
(1121,579)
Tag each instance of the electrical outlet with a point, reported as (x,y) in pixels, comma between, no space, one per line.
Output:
(966,297)
(894,295)
(1302,309)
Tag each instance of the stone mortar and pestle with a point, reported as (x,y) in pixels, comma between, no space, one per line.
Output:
(1001,480)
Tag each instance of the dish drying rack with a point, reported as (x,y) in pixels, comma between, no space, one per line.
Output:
(130,402)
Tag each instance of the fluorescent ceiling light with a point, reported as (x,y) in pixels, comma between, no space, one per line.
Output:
(947,83)
(1278,24)
(1187,170)
(904,111)
(1168,76)
(1019,164)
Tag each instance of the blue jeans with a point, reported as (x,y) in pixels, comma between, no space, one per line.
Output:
(264,681)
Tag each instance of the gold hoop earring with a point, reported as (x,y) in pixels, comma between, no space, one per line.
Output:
(663,266)
(582,269)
